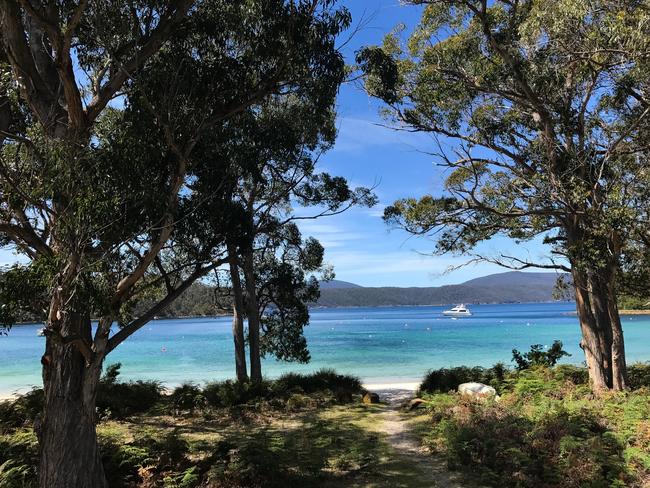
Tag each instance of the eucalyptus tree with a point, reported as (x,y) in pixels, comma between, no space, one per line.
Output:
(111,109)
(282,140)
(286,283)
(544,106)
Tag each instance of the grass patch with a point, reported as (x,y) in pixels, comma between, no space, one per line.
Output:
(223,435)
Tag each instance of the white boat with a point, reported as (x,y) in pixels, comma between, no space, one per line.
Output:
(458,311)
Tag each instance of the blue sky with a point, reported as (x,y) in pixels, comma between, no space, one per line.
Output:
(358,244)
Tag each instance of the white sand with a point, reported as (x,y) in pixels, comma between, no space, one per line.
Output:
(412,386)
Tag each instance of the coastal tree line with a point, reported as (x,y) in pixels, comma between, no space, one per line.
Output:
(147,146)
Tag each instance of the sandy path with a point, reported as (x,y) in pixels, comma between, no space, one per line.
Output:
(432,469)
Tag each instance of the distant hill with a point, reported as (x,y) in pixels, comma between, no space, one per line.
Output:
(509,287)
(515,278)
(336,284)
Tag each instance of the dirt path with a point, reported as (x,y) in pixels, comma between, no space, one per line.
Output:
(432,470)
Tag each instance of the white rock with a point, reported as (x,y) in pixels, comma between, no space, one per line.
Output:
(476,390)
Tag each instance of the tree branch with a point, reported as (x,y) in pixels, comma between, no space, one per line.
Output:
(138,323)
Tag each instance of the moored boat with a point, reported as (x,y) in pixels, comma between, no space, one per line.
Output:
(458,311)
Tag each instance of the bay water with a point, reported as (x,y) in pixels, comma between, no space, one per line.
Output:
(380,345)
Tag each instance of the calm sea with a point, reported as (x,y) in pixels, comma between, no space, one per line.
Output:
(378,344)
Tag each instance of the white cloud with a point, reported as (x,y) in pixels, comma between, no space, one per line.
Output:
(356,135)
(329,235)
(388,268)
(376,211)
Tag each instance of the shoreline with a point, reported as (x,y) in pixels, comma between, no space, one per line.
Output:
(621,312)
(634,312)
(376,384)
(403,385)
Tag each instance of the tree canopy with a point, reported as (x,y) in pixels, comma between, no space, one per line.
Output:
(109,113)
(539,110)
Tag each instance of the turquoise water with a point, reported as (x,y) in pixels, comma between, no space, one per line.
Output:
(378,344)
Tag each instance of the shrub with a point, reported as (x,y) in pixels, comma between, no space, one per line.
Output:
(547,430)
(320,381)
(233,393)
(14,475)
(538,357)
(171,450)
(18,459)
(504,447)
(447,379)
(575,374)
(117,399)
(187,397)
(21,411)
(122,462)
(638,375)
(187,479)
(125,463)
(298,402)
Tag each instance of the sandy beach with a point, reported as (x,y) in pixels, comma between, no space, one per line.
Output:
(379,386)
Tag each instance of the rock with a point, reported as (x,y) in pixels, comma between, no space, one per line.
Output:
(370,397)
(476,390)
(416,403)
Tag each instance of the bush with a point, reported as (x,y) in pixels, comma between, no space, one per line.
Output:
(117,399)
(122,462)
(187,397)
(447,379)
(18,459)
(574,374)
(320,381)
(21,411)
(538,357)
(125,463)
(187,479)
(297,402)
(14,475)
(638,376)
(327,381)
(171,450)
(547,430)
(233,393)
(506,448)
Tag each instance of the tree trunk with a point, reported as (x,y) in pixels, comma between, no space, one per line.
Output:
(252,308)
(602,335)
(70,455)
(619,367)
(238,320)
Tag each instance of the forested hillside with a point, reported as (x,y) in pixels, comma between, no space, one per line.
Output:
(497,288)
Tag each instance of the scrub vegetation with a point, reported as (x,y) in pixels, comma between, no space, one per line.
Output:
(298,430)
(546,429)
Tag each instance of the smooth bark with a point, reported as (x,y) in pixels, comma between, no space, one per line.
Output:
(238,319)
(602,334)
(252,309)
